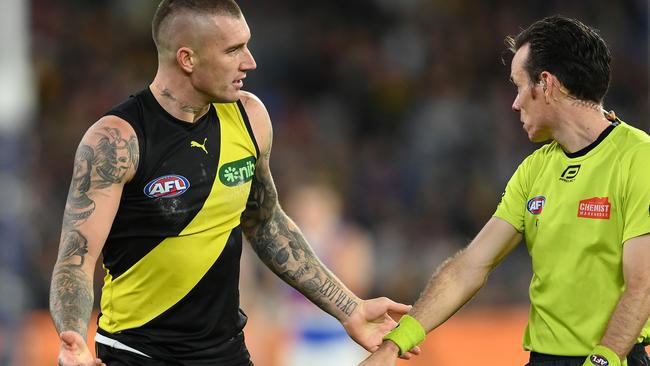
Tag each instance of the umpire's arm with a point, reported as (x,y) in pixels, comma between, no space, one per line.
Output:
(633,308)
(456,281)
(460,277)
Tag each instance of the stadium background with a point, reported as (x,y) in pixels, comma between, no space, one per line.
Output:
(401,107)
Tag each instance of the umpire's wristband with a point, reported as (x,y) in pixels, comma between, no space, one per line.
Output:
(407,334)
(602,356)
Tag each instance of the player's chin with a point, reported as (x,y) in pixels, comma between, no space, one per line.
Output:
(229,97)
(237,93)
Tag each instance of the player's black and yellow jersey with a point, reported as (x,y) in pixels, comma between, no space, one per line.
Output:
(172,255)
(576,211)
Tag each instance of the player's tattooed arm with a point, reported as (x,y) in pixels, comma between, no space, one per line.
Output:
(106,158)
(71,296)
(282,247)
(98,166)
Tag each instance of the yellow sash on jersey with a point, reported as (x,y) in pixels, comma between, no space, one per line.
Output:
(171,270)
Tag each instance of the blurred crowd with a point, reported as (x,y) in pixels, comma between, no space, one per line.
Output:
(401,109)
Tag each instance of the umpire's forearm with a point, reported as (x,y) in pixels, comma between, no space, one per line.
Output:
(627,321)
(282,247)
(453,284)
(71,298)
(459,278)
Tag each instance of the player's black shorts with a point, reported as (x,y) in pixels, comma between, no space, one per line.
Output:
(636,357)
(235,354)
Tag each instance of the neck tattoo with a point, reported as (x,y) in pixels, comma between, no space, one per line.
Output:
(166,93)
(579,102)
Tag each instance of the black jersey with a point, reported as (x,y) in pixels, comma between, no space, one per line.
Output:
(172,255)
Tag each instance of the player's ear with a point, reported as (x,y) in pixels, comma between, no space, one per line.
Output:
(186,59)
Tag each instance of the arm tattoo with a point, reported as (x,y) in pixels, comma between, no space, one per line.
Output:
(71,298)
(79,206)
(331,291)
(115,156)
(110,160)
(282,247)
(95,168)
(74,244)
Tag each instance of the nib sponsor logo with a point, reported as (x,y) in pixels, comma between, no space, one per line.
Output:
(595,208)
(237,172)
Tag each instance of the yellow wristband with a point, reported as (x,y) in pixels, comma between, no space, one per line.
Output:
(407,334)
(602,356)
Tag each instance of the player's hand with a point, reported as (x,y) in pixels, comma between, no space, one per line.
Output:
(74,351)
(386,355)
(370,321)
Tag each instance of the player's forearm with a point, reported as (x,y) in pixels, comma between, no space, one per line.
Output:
(627,321)
(453,284)
(282,247)
(71,298)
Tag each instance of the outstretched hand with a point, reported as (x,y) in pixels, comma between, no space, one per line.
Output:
(371,320)
(74,351)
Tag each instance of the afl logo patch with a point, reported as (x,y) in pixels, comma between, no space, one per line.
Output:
(536,205)
(598,360)
(167,186)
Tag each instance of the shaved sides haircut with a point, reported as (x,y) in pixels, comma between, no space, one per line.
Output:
(168,8)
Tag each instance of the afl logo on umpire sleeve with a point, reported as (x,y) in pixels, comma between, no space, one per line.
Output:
(536,205)
(167,186)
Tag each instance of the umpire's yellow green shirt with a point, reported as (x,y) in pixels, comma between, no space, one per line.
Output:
(575,213)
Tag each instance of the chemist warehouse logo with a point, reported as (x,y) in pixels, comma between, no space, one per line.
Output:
(167,186)
(595,208)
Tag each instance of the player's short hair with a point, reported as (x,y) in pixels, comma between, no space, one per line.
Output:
(571,51)
(168,8)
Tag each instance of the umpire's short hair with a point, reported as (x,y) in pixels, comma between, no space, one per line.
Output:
(571,51)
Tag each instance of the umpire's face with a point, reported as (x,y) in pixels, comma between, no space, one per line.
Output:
(530,101)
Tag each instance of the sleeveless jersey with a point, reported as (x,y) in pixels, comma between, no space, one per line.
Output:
(172,255)
(576,211)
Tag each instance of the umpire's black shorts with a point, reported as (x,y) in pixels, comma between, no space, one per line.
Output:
(636,357)
(236,354)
